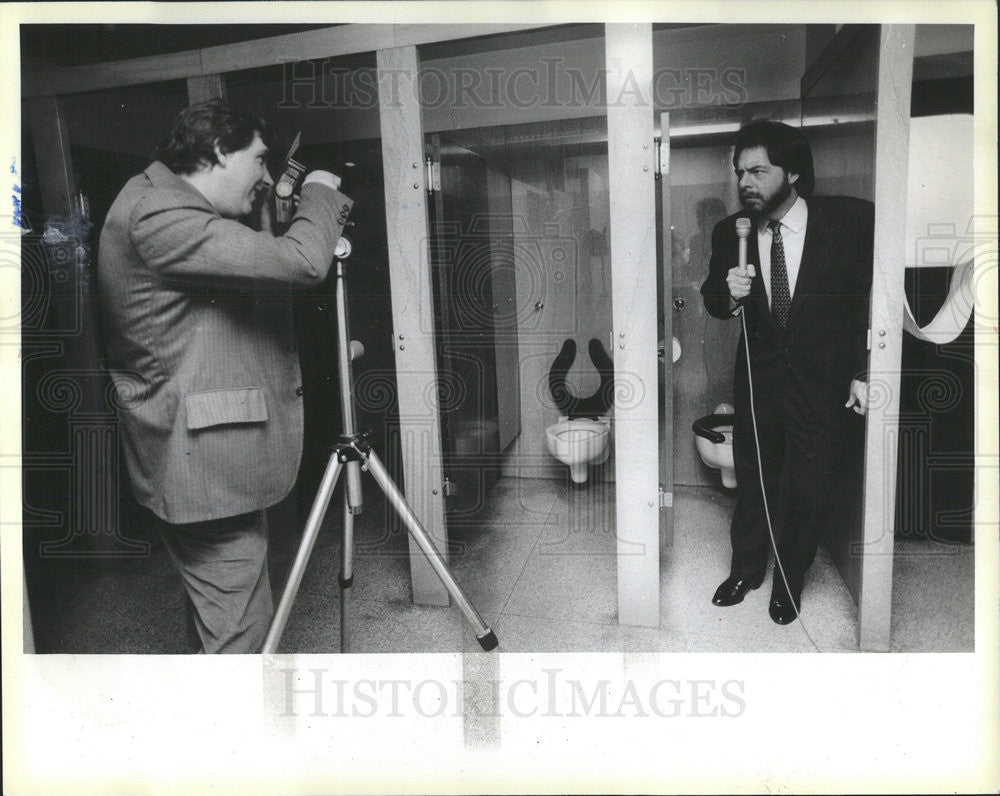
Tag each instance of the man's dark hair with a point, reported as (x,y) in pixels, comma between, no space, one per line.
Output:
(198,129)
(786,147)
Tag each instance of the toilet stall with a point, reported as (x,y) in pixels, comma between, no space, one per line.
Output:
(518,188)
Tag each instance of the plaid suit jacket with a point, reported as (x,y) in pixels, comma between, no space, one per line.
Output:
(197,314)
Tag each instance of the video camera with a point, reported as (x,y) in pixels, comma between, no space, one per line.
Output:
(285,197)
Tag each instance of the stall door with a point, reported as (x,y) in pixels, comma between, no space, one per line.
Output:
(471,260)
(666,404)
(855,104)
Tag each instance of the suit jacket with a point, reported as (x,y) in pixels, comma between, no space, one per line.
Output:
(824,345)
(197,314)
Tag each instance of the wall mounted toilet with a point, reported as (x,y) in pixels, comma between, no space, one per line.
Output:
(714,440)
(583,432)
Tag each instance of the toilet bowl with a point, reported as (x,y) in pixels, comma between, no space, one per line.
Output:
(583,432)
(714,440)
(579,443)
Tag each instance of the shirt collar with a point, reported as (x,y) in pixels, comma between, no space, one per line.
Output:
(159,174)
(795,219)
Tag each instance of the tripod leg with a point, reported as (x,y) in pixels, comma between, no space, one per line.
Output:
(486,637)
(316,515)
(346,575)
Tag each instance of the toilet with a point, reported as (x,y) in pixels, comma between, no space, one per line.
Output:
(714,440)
(583,432)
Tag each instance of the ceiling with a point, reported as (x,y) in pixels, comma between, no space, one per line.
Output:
(74,45)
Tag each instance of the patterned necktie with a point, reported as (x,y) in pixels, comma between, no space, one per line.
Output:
(781,299)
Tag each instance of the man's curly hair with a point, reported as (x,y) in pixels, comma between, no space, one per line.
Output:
(197,130)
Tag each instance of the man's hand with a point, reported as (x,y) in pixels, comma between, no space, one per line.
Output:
(325,177)
(858,397)
(738,280)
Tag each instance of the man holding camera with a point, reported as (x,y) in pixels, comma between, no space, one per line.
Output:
(197,314)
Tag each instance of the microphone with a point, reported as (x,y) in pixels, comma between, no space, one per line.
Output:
(743,232)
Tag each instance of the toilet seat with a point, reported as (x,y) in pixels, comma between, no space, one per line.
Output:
(581,436)
(706,426)
(593,406)
(714,441)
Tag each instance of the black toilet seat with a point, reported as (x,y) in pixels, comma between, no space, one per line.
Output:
(705,426)
(593,406)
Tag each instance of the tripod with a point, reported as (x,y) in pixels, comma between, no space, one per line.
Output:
(354,452)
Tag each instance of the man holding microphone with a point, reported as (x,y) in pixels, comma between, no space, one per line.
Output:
(197,314)
(798,268)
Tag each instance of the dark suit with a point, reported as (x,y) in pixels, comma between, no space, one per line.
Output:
(801,380)
(203,357)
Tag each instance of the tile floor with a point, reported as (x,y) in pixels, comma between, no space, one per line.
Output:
(539,565)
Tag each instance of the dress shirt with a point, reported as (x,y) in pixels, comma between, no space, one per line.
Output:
(793,236)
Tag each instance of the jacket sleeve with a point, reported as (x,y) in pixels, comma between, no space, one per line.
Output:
(188,242)
(715,290)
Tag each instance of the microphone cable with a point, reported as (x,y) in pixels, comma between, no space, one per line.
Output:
(763,490)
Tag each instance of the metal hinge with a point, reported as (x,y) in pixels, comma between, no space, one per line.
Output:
(450,488)
(662,157)
(666,498)
(433,176)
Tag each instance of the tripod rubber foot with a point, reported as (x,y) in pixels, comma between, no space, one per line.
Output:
(489,641)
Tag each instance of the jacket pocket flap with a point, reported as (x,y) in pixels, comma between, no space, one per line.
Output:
(218,407)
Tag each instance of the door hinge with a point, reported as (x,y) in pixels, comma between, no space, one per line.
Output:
(433,176)
(666,498)
(450,488)
(662,157)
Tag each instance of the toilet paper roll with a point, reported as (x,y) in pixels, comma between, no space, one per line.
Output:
(954,314)
(675,350)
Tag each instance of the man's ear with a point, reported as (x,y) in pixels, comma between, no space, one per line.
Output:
(222,158)
(792,178)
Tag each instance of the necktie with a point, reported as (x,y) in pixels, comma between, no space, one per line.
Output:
(781,299)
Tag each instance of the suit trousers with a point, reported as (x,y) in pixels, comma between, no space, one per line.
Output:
(800,449)
(223,566)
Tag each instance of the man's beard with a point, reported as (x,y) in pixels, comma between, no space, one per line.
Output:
(772,202)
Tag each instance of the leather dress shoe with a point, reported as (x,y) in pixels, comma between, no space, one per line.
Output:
(782,608)
(733,589)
